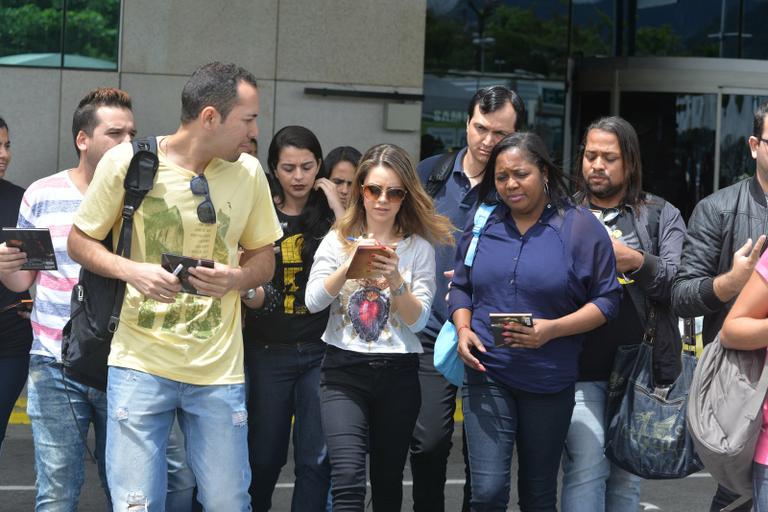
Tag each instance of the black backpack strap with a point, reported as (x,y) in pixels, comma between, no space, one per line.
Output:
(139,180)
(441,171)
(653,206)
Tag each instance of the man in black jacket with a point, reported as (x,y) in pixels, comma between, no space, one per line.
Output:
(726,233)
(451,179)
(647,234)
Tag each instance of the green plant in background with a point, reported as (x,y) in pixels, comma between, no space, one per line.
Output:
(89,27)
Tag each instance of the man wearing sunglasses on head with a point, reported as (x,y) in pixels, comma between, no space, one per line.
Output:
(451,179)
(175,351)
(647,234)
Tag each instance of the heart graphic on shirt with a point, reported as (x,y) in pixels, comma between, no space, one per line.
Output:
(369,310)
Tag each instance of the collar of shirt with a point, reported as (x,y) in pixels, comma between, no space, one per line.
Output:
(458,164)
(502,214)
(460,179)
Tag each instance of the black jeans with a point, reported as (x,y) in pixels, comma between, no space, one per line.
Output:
(431,443)
(369,407)
(13,375)
(284,384)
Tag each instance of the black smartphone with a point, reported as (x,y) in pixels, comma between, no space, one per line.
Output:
(179,266)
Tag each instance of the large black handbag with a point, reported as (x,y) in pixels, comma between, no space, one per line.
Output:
(96,300)
(647,432)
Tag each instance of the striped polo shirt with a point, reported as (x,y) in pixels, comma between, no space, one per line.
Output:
(51,203)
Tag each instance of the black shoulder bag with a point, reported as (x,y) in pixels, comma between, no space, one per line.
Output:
(96,300)
(646,430)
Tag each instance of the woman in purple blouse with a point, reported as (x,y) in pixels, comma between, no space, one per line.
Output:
(541,255)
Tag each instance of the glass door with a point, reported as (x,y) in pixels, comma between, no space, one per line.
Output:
(677,143)
(736,120)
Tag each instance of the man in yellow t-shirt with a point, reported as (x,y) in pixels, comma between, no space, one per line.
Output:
(174,350)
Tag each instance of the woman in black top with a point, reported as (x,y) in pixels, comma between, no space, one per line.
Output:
(16,338)
(282,338)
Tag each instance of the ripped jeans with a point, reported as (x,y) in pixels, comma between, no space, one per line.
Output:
(140,413)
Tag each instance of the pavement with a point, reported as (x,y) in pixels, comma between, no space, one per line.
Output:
(17,481)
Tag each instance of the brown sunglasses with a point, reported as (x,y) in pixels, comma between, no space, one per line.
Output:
(393,194)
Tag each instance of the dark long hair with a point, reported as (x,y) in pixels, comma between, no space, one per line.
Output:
(316,217)
(629,145)
(341,154)
(535,151)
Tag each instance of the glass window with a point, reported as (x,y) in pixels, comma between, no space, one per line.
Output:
(736,162)
(32,33)
(677,27)
(475,43)
(677,140)
(592,28)
(754,40)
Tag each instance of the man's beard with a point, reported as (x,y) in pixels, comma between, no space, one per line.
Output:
(604,191)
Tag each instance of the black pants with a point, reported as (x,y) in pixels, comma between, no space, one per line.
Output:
(369,407)
(431,443)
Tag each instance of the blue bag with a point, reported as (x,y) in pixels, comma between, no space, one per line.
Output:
(446,356)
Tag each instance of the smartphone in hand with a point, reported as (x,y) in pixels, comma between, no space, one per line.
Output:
(179,266)
(499,320)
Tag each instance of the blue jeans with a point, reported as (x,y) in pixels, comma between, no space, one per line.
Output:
(53,403)
(591,483)
(13,375)
(141,409)
(759,487)
(497,419)
(284,383)
(181,480)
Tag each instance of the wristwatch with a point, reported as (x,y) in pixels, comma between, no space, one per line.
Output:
(399,290)
(250,294)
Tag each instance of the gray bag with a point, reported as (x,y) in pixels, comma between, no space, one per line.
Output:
(725,412)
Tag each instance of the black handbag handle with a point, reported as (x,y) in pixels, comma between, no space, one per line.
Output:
(650,324)
(689,336)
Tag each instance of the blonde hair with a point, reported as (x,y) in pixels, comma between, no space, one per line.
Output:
(417,213)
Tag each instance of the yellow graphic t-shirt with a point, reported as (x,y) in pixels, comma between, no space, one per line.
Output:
(196,339)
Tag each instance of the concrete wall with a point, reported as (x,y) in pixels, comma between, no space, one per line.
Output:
(362,45)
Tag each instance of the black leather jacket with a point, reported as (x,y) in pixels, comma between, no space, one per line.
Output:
(719,225)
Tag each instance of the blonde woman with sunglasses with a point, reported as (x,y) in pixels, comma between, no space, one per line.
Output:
(369,385)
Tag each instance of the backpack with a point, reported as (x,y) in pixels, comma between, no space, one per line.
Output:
(446,356)
(96,300)
(440,173)
(725,413)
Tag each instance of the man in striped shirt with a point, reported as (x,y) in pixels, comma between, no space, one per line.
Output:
(102,120)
